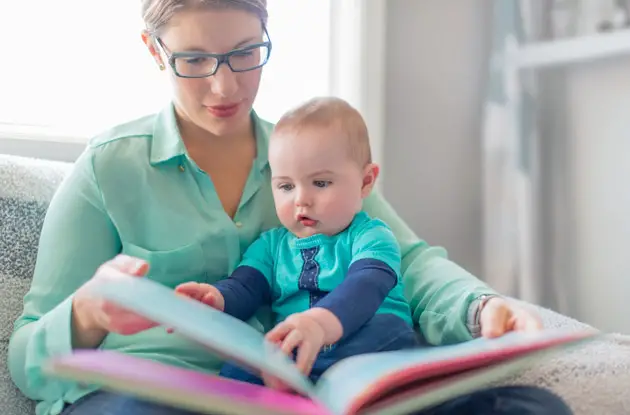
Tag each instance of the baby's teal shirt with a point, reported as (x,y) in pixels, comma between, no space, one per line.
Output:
(301,272)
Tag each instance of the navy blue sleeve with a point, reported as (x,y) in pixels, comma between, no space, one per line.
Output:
(361,293)
(244,292)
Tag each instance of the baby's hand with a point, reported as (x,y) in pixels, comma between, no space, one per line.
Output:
(303,332)
(498,317)
(205,293)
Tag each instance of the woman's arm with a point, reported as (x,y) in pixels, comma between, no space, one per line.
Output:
(77,236)
(442,295)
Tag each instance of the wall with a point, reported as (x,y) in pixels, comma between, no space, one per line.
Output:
(598,107)
(436,54)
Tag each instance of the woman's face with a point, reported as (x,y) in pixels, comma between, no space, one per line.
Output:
(221,103)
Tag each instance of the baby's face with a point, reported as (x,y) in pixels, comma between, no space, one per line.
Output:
(317,187)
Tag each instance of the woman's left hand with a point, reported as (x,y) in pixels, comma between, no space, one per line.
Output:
(498,317)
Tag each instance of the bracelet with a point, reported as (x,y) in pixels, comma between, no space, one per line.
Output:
(482,300)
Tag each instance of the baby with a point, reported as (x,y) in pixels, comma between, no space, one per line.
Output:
(332,274)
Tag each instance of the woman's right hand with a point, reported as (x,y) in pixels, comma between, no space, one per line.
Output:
(93,318)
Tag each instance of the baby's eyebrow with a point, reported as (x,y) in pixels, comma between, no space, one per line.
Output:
(321,173)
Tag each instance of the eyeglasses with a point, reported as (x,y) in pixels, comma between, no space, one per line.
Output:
(202,65)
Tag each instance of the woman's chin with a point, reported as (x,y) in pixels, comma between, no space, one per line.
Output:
(224,126)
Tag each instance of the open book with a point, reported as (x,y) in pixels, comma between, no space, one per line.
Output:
(398,382)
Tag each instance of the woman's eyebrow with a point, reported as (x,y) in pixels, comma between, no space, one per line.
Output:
(202,50)
(244,42)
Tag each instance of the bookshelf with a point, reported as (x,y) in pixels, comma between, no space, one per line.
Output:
(585,48)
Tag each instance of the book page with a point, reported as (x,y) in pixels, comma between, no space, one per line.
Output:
(225,335)
(358,381)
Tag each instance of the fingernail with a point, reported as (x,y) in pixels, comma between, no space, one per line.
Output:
(137,265)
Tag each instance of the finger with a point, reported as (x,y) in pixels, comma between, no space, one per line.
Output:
(525,321)
(190,289)
(279,332)
(291,341)
(209,299)
(307,352)
(494,319)
(131,265)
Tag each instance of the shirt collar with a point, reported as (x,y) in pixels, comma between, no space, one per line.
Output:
(167,142)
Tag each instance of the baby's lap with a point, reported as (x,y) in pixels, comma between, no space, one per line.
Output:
(382,332)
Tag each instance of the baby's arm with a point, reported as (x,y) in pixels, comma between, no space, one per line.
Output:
(372,275)
(246,289)
(240,295)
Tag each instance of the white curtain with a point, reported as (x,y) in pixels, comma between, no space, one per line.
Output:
(357,62)
(512,256)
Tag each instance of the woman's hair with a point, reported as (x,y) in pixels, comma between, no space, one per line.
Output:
(157,13)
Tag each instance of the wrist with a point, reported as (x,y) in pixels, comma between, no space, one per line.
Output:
(475,310)
(219,300)
(333,330)
(82,318)
(86,331)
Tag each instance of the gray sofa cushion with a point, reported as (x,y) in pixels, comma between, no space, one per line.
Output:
(26,187)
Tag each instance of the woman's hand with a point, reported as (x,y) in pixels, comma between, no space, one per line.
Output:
(93,318)
(498,317)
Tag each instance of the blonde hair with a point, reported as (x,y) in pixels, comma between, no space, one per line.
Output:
(157,13)
(330,113)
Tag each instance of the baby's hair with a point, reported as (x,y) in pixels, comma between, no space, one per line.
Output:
(157,13)
(332,114)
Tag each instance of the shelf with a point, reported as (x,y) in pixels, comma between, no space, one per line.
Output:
(579,49)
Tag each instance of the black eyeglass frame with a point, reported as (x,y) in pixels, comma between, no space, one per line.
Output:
(220,57)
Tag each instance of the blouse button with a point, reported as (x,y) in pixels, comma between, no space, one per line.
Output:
(238,224)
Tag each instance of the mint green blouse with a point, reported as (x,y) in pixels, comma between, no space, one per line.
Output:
(135,190)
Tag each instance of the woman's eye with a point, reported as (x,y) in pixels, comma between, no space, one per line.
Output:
(243,53)
(322,183)
(196,61)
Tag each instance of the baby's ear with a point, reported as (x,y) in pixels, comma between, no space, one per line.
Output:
(370,174)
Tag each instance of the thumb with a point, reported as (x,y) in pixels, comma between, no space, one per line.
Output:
(130,265)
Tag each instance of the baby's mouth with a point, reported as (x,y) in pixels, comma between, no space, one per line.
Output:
(306,221)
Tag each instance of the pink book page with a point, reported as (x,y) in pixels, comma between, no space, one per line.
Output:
(178,386)
(387,373)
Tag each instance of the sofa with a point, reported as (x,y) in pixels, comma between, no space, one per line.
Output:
(594,379)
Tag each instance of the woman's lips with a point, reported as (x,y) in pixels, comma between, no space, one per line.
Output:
(223,111)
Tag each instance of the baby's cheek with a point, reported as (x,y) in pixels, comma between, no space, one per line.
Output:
(284,209)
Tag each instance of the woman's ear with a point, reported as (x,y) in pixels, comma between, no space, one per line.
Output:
(149,41)
(370,174)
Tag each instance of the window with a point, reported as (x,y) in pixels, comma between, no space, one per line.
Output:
(76,67)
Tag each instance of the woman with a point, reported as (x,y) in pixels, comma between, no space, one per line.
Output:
(186,191)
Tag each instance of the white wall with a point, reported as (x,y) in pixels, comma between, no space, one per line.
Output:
(436,53)
(436,70)
(598,115)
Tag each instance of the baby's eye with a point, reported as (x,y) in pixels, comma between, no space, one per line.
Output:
(286,187)
(322,183)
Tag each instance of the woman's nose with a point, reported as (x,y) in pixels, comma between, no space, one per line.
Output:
(224,82)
